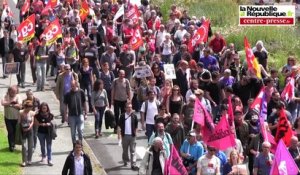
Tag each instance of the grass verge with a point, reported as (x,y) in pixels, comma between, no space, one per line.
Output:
(9,161)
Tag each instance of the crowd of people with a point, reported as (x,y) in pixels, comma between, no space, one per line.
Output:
(95,68)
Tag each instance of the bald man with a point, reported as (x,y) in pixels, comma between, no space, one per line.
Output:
(294,150)
(264,160)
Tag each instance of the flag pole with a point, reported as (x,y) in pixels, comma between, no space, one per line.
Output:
(192,127)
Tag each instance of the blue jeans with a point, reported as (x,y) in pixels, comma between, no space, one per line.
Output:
(149,130)
(99,118)
(45,142)
(41,75)
(76,123)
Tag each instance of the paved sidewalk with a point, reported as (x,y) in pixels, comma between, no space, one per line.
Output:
(62,145)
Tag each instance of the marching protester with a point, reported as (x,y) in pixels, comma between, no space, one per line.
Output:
(110,55)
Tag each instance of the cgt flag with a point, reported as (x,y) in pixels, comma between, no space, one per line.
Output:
(133,14)
(25,7)
(251,61)
(200,36)
(174,165)
(283,163)
(84,10)
(136,40)
(52,32)
(289,90)
(26,30)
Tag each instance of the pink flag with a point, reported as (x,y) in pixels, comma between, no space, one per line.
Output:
(222,136)
(199,112)
(283,163)
(288,92)
(174,165)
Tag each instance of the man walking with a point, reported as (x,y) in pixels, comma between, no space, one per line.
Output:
(6,45)
(128,125)
(21,56)
(41,56)
(75,110)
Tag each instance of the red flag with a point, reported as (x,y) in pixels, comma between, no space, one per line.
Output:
(222,136)
(133,14)
(26,29)
(249,53)
(136,40)
(52,32)
(257,101)
(289,90)
(284,129)
(230,112)
(201,35)
(84,10)
(52,3)
(25,7)
(157,23)
(199,112)
(174,165)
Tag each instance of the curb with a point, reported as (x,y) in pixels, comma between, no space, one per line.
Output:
(97,165)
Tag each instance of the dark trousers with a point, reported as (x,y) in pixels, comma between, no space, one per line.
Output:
(33,68)
(4,61)
(149,130)
(118,106)
(11,131)
(21,75)
(88,88)
(99,119)
(96,71)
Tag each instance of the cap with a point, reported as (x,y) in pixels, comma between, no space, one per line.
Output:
(192,133)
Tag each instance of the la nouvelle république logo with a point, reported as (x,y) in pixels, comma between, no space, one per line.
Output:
(271,15)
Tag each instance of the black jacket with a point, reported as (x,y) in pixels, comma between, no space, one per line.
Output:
(69,167)
(10,46)
(134,124)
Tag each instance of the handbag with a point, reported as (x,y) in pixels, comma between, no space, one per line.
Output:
(18,135)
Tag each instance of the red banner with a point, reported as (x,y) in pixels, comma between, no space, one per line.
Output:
(249,53)
(201,35)
(25,7)
(133,14)
(52,32)
(136,40)
(84,10)
(26,30)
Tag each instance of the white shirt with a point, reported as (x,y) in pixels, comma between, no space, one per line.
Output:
(79,165)
(128,130)
(151,111)
(209,166)
(179,34)
(160,36)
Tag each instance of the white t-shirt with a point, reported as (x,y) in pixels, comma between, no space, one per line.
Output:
(209,166)
(151,111)
(128,130)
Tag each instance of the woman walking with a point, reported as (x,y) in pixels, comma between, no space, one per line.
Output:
(99,103)
(43,121)
(25,120)
(12,105)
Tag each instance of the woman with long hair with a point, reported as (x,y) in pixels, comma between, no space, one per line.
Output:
(231,167)
(86,80)
(99,102)
(166,90)
(158,74)
(26,120)
(43,121)
(175,101)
